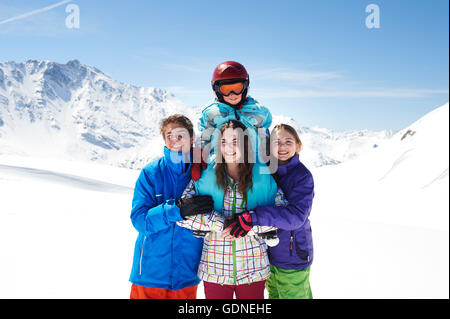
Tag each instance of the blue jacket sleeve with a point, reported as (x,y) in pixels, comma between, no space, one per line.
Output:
(292,216)
(267,117)
(147,216)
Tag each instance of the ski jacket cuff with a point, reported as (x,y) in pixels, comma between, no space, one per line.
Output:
(172,211)
(254,217)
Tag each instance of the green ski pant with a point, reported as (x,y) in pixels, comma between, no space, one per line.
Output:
(289,284)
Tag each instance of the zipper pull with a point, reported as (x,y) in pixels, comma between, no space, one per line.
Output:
(237,115)
(290,247)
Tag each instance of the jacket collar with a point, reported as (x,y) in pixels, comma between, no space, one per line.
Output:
(283,169)
(248,101)
(176,161)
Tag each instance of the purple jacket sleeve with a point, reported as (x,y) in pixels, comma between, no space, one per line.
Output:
(300,196)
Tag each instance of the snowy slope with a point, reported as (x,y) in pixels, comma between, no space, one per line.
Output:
(386,216)
(420,153)
(65,230)
(412,164)
(380,223)
(76,112)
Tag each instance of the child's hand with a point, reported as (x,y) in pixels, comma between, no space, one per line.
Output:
(227,235)
(239,226)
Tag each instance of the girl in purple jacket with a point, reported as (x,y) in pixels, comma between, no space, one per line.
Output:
(291,259)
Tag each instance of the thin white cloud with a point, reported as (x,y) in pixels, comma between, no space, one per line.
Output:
(34,12)
(183,67)
(326,84)
(285,74)
(380,93)
(180,90)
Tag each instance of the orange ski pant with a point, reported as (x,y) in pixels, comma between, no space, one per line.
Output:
(140,292)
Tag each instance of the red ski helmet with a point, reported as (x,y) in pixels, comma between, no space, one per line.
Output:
(228,72)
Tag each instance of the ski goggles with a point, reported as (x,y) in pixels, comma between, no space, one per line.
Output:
(226,89)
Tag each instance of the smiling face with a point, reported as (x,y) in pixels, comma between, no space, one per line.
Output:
(233,98)
(230,146)
(284,145)
(177,138)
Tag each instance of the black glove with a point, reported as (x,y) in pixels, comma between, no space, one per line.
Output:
(269,235)
(200,204)
(271,238)
(200,233)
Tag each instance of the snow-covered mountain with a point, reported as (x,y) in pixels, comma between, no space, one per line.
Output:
(77,112)
(408,173)
(418,154)
(74,111)
(323,147)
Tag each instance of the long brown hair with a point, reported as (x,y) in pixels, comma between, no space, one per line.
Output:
(246,161)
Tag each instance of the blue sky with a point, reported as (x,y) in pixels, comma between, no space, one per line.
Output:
(315,61)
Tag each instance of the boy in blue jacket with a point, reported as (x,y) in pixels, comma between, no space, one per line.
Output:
(166,256)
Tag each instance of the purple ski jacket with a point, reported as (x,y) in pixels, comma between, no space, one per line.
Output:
(295,249)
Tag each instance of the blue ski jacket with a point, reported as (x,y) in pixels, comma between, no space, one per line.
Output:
(165,254)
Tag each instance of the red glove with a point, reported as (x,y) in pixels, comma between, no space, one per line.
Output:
(198,164)
(242,225)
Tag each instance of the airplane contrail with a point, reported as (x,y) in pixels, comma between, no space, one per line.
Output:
(31,13)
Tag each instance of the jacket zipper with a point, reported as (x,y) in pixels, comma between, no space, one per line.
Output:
(292,242)
(173,235)
(142,254)
(234,263)
(171,258)
(233,244)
